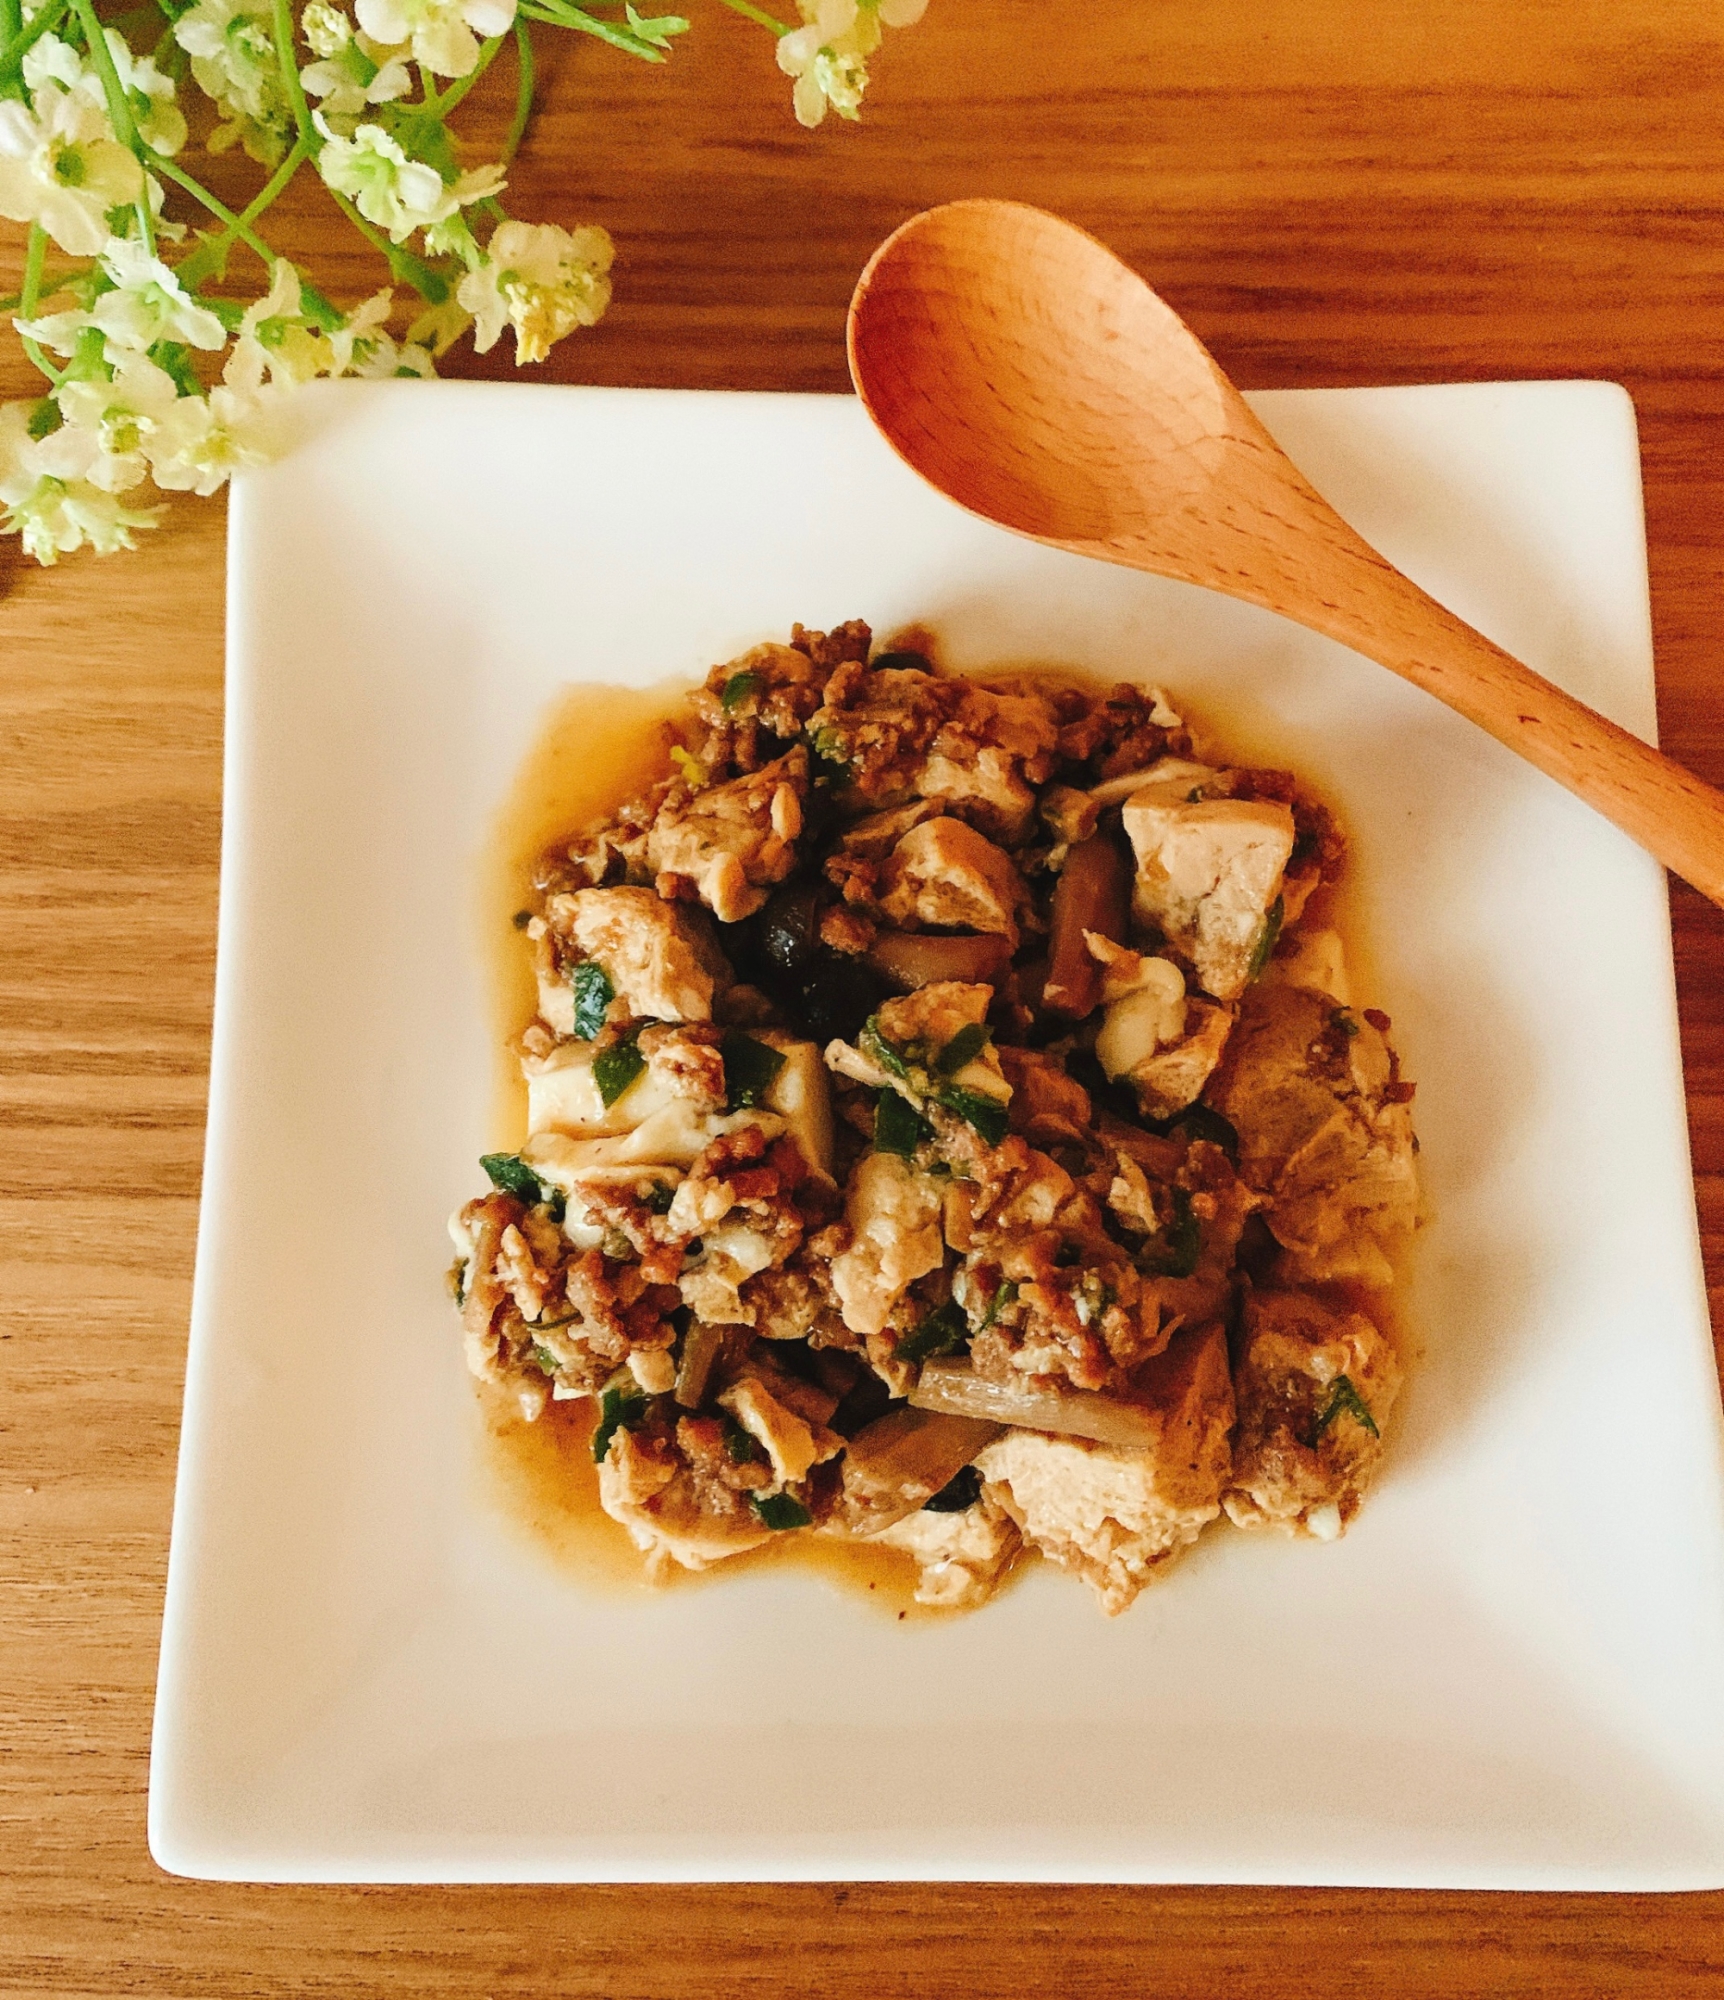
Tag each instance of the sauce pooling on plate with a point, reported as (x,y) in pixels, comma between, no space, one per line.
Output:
(950,1137)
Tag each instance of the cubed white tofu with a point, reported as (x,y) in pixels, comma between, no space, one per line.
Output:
(945,873)
(1114,1515)
(894,1217)
(660,963)
(1208,871)
(1314,959)
(961,1557)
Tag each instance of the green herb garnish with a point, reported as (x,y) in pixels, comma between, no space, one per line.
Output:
(615,1068)
(544,1359)
(963,1048)
(658,1197)
(739,1447)
(959,1493)
(944,1331)
(878,1049)
(1343,1397)
(986,1115)
(510,1174)
(898,1127)
(1343,1023)
(620,1409)
(750,1068)
(1174,1252)
(1007,1292)
(738,689)
(593,996)
(827,748)
(780,1510)
(1267,933)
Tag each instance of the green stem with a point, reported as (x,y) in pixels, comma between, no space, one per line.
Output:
(119,110)
(523,91)
(440,107)
(403,264)
(14,51)
(35,250)
(161,164)
(558,14)
(282,27)
(11,20)
(750,12)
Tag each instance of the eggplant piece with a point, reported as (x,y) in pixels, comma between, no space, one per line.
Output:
(1093,893)
(908,960)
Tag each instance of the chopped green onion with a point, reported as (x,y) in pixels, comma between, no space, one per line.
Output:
(944,1331)
(658,1197)
(510,1174)
(1343,1023)
(1267,933)
(963,1048)
(780,1510)
(544,1359)
(887,1054)
(1007,1292)
(615,1068)
(750,1068)
(521,919)
(987,1115)
(738,689)
(827,747)
(692,769)
(898,1127)
(620,1409)
(1343,1396)
(959,1493)
(593,996)
(1176,1249)
(739,1447)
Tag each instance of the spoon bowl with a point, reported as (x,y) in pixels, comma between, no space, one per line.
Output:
(1022,369)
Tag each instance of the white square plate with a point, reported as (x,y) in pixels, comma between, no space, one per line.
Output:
(1510,1674)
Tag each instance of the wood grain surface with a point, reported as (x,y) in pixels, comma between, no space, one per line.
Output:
(1331,191)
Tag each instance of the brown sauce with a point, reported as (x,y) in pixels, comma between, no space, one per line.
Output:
(597,748)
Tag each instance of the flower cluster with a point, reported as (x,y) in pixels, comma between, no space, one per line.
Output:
(155,373)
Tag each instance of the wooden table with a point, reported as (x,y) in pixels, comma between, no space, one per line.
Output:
(1332,191)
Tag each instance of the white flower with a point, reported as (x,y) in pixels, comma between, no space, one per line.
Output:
(444,34)
(354,70)
(828,55)
(542,281)
(274,338)
(398,194)
(202,440)
(361,347)
(61,166)
(47,498)
(234,61)
(149,303)
(121,416)
(52,62)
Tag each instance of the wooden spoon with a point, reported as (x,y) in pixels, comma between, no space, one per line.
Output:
(1021,368)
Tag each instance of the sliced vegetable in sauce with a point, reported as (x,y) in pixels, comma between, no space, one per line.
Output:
(615,1068)
(738,689)
(620,1409)
(593,996)
(780,1510)
(1002,1298)
(1342,1399)
(878,1049)
(898,1127)
(958,1495)
(1267,934)
(750,1069)
(1198,1121)
(944,1331)
(739,1447)
(962,1049)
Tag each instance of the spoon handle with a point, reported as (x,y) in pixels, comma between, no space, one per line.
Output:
(1670,812)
